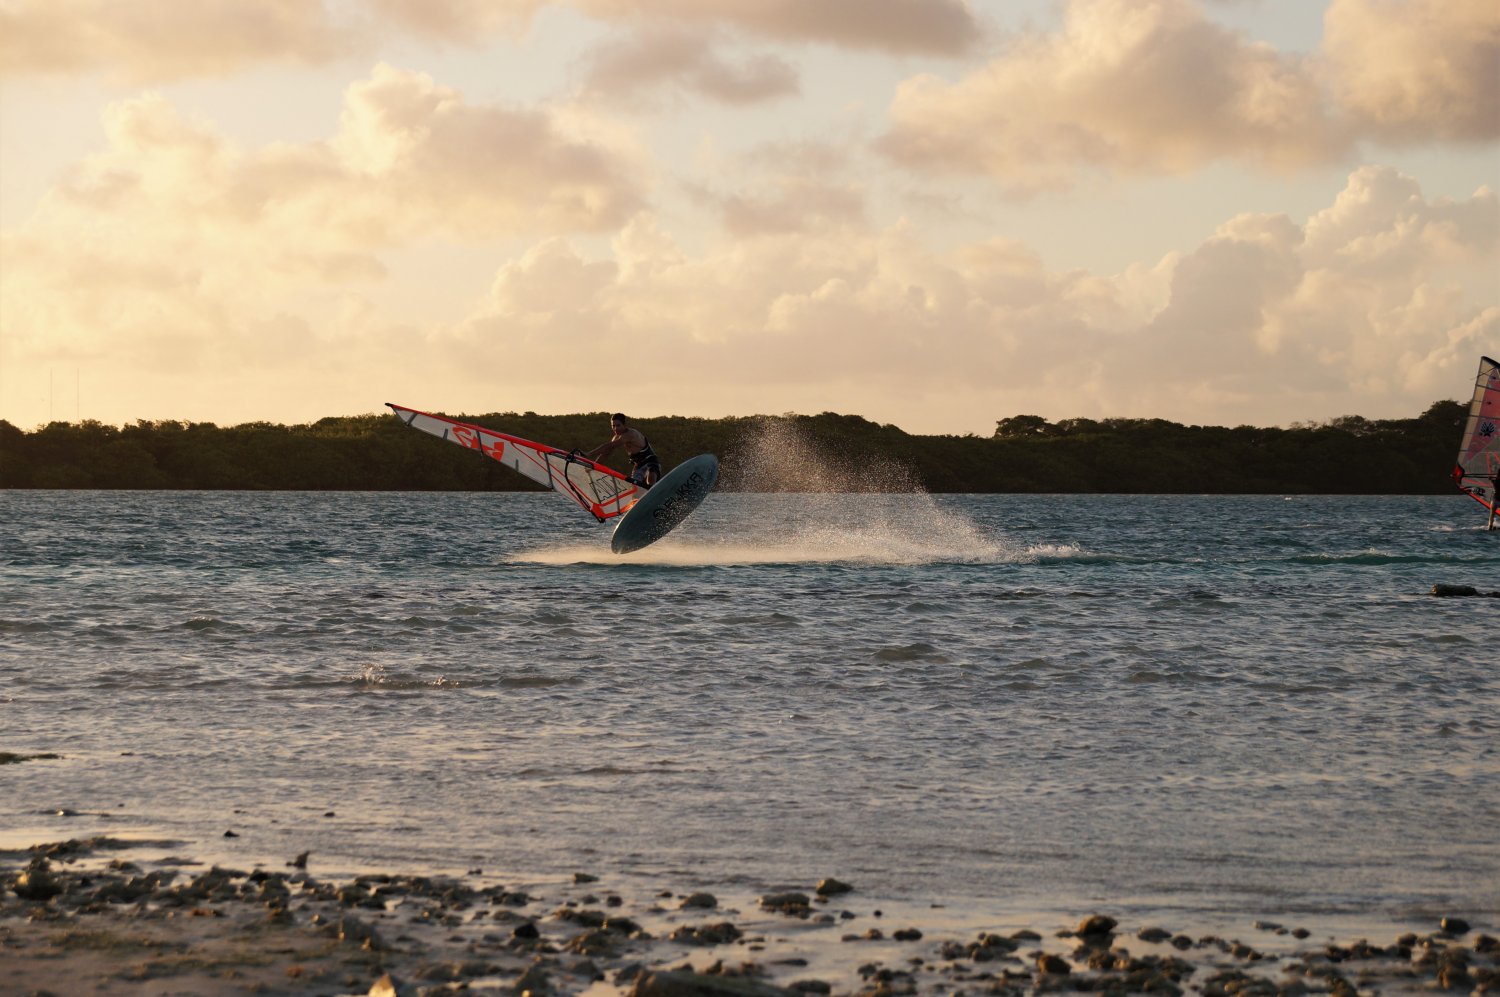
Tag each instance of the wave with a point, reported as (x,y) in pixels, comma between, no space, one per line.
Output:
(911,652)
(1378,558)
(24,627)
(936,536)
(376,677)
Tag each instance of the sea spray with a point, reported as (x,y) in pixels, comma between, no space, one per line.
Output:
(777,455)
(863,507)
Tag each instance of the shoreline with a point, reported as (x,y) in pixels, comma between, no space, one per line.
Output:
(110,915)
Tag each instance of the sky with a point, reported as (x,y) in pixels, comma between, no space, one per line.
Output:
(931,213)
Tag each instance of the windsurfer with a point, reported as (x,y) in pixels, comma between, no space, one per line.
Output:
(645,466)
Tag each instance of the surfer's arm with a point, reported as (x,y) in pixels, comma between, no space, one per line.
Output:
(626,438)
(607,447)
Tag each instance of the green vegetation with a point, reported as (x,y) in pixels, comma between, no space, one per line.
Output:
(1349,455)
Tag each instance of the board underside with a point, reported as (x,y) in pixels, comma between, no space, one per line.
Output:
(667,504)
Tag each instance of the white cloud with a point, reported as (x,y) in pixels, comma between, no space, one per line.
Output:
(1266,317)
(631,69)
(931,26)
(154,41)
(1146,87)
(1157,87)
(426,158)
(174,247)
(176,251)
(458,20)
(1417,70)
(1381,225)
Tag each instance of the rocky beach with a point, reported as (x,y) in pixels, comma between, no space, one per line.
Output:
(107,915)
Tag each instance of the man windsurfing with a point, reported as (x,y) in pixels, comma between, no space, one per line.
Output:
(645,466)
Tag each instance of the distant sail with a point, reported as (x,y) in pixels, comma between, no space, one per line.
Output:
(1479,454)
(601,491)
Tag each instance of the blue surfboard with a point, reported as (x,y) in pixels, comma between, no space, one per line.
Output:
(667,504)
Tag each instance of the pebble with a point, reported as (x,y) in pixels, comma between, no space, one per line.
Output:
(685,983)
(1052,965)
(37,884)
(390,986)
(1096,926)
(431,942)
(786,903)
(706,934)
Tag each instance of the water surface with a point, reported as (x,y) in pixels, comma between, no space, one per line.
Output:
(1248,705)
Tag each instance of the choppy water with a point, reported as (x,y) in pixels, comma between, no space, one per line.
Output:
(1245,704)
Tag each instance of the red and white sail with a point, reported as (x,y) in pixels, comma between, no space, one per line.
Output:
(1478,465)
(604,493)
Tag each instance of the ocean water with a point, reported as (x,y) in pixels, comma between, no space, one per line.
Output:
(1213,706)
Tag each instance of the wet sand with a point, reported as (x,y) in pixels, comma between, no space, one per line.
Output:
(109,916)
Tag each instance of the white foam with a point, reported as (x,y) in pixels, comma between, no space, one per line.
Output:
(802,504)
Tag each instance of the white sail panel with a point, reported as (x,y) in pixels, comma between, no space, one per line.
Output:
(603,492)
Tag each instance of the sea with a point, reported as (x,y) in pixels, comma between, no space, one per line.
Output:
(1008,707)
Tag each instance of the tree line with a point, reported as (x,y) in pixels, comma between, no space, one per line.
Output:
(1026,453)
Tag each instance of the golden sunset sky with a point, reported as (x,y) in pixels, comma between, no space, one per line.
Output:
(934,213)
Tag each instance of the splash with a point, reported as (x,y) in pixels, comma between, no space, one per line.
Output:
(778,455)
(847,508)
(375,676)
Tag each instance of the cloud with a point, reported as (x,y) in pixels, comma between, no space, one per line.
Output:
(1354,308)
(157,40)
(1356,300)
(686,61)
(937,27)
(176,250)
(783,187)
(458,20)
(411,158)
(153,41)
(1417,70)
(1381,226)
(426,158)
(791,205)
(174,246)
(1156,87)
(1144,87)
(942,27)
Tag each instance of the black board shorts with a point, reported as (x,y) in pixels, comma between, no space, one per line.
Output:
(638,474)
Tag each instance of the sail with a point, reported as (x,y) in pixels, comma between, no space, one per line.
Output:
(601,491)
(1479,454)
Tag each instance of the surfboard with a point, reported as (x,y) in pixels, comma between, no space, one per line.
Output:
(667,504)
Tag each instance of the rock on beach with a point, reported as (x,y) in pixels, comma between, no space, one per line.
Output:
(130,924)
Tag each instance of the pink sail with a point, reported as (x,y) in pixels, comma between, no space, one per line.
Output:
(1478,466)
